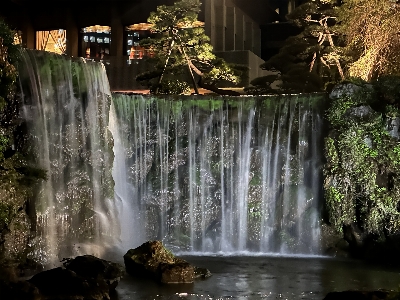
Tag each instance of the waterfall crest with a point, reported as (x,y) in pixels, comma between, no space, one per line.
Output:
(219,174)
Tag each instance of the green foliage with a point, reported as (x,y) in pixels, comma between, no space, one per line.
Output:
(181,47)
(171,87)
(331,154)
(363,163)
(309,61)
(340,210)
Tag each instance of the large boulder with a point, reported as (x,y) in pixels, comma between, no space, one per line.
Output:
(152,260)
(362,113)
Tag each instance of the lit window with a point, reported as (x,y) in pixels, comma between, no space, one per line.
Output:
(98,29)
(18,38)
(130,42)
(92,39)
(106,40)
(52,41)
(99,40)
(85,38)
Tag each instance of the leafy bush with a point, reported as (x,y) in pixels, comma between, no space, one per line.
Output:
(362,173)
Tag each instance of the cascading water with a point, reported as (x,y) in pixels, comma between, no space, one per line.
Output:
(202,174)
(219,175)
(66,108)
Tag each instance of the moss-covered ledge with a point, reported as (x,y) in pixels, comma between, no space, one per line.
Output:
(362,170)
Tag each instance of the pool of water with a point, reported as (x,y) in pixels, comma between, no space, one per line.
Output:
(266,277)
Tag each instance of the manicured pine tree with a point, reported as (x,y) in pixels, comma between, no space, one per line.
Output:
(182,54)
(310,60)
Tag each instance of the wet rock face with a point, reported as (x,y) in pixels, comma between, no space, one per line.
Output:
(152,260)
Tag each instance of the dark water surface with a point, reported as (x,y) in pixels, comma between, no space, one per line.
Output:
(266,277)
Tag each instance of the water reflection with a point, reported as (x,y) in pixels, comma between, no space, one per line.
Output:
(244,278)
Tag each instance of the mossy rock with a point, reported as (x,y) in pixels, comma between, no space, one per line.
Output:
(358,91)
(152,260)
(362,113)
(149,255)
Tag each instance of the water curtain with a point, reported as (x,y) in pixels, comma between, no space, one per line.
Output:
(219,174)
(202,174)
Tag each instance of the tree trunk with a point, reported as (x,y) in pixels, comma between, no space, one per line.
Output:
(165,65)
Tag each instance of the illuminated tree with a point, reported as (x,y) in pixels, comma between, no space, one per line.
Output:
(182,52)
(310,60)
(371,30)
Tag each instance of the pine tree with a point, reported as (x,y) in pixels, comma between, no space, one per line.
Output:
(309,61)
(182,53)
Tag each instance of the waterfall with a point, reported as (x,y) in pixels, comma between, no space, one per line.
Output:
(202,174)
(219,174)
(66,110)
